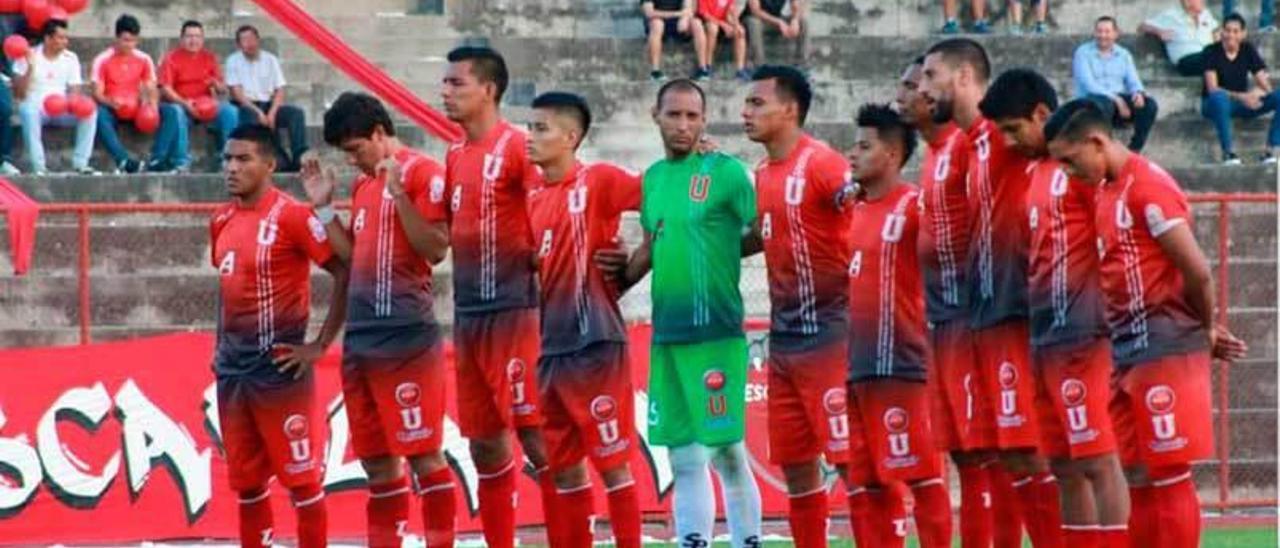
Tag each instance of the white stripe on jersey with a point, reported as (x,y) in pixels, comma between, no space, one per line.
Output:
(385,239)
(579,221)
(888,289)
(1132,271)
(1058,291)
(986,280)
(489,220)
(944,232)
(265,289)
(800,247)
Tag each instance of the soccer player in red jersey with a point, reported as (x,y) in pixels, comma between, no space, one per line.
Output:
(962,423)
(1070,349)
(1159,298)
(803,221)
(890,435)
(393,374)
(495,287)
(956,73)
(263,243)
(584,378)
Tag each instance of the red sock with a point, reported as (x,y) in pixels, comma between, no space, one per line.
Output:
(439,510)
(932,513)
(809,519)
(387,512)
(255,520)
(313,521)
(860,517)
(575,507)
(1006,531)
(553,519)
(1141,508)
(1113,536)
(1048,512)
(1177,508)
(889,516)
(496,493)
(975,506)
(624,516)
(1081,536)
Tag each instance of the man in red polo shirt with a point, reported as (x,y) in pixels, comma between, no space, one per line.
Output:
(124,81)
(191,79)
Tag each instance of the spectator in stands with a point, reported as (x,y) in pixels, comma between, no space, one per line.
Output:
(674,20)
(1229,65)
(9,24)
(762,14)
(1041,8)
(1104,72)
(124,80)
(51,68)
(1266,15)
(951,12)
(257,86)
(190,74)
(724,17)
(1185,30)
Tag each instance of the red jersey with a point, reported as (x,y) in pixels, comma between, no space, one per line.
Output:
(389,303)
(190,75)
(1064,294)
(122,76)
(805,226)
(943,244)
(572,218)
(263,255)
(886,291)
(493,262)
(1148,315)
(997,192)
(716,10)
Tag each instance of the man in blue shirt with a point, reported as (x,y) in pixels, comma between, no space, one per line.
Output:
(1104,72)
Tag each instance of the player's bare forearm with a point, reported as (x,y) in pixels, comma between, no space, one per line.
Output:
(337,313)
(339,240)
(1179,244)
(430,240)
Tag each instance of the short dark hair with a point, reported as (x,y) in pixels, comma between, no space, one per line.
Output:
(890,126)
(128,23)
(246,28)
(355,115)
(190,24)
(1235,17)
(919,60)
(791,84)
(260,135)
(1015,94)
(1075,120)
(1107,19)
(682,84)
(486,64)
(569,104)
(964,51)
(51,26)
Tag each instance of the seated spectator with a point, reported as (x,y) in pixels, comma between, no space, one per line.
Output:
(51,68)
(1266,15)
(257,87)
(190,73)
(724,17)
(1104,72)
(1185,30)
(1015,16)
(762,14)
(1229,66)
(124,82)
(674,20)
(951,12)
(9,24)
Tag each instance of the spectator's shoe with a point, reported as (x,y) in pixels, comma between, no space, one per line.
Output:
(1231,160)
(182,169)
(702,74)
(87,170)
(950,27)
(9,170)
(744,75)
(656,75)
(40,173)
(1015,30)
(1040,28)
(1268,159)
(982,27)
(1269,29)
(128,166)
(157,166)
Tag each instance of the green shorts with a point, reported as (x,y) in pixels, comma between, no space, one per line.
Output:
(697,393)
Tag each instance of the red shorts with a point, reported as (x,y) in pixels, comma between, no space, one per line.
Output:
(808,407)
(1072,393)
(962,420)
(589,405)
(270,432)
(1162,412)
(889,433)
(496,354)
(396,407)
(1008,384)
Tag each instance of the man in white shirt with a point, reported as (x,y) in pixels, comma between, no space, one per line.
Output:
(1185,31)
(49,69)
(257,87)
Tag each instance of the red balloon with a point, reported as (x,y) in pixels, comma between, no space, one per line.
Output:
(58,13)
(10,6)
(73,6)
(55,105)
(128,108)
(37,13)
(81,106)
(148,119)
(206,109)
(16,47)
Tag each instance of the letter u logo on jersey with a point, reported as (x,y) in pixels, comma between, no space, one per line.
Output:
(699,187)
(942,167)
(578,200)
(1008,402)
(267,232)
(899,445)
(492,167)
(1058,186)
(983,144)
(794,190)
(411,418)
(1078,418)
(1164,427)
(838,426)
(893,226)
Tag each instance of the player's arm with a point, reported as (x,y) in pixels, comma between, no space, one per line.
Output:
(319,182)
(299,358)
(1179,245)
(640,263)
(758,12)
(430,240)
(752,242)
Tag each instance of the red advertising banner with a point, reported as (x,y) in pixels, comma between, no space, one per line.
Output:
(119,442)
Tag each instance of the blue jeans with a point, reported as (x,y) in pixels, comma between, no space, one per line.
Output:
(6,114)
(1219,108)
(108,135)
(173,141)
(1265,19)
(33,122)
(289,119)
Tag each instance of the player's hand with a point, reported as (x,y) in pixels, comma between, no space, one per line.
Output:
(318,180)
(612,262)
(392,177)
(1226,346)
(296,358)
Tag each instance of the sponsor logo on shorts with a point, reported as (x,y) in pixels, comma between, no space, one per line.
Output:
(519,392)
(1074,392)
(714,381)
(409,396)
(1160,400)
(1009,416)
(896,423)
(836,403)
(296,428)
(604,409)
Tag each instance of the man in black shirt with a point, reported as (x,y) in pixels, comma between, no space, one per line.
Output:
(1229,67)
(674,19)
(767,14)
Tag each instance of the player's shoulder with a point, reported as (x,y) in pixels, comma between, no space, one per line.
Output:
(221,216)
(1151,177)
(609,171)
(724,165)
